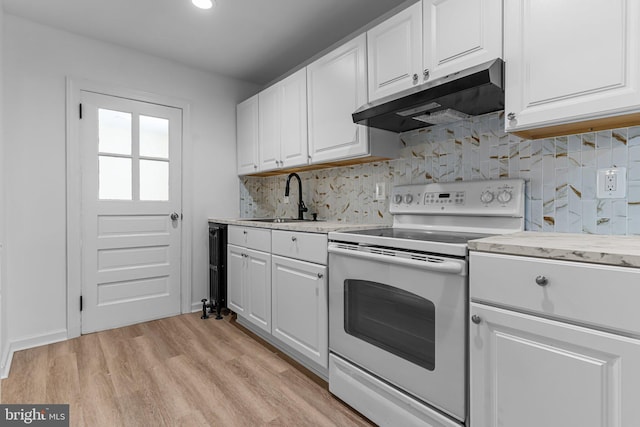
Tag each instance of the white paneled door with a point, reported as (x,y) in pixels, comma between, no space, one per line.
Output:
(131,211)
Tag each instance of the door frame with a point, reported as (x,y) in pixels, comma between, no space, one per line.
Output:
(74,87)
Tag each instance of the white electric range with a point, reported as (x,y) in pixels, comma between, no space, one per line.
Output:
(398,301)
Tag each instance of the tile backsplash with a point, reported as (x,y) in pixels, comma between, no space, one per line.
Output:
(560,174)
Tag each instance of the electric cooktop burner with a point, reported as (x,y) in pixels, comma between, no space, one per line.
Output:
(423,235)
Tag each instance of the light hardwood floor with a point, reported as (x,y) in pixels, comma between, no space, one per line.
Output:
(179,371)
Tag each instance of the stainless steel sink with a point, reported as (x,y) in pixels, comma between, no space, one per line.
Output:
(279,220)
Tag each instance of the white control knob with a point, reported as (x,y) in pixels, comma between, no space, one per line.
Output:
(486,196)
(408,198)
(397,199)
(504,196)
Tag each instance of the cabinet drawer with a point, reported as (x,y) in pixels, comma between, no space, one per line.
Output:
(594,294)
(310,247)
(250,237)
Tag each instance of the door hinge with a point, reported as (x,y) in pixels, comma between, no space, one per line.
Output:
(80,302)
(80,110)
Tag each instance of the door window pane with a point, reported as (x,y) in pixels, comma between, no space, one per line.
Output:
(154,137)
(114,132)
(154,180)
(393,319)
(114,178)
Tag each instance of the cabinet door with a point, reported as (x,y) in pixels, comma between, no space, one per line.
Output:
(394,52)
(459,34)
(270,126)
(257,285)
(300,307)
(247,136)
(294,149)
(527,371)
(570,60)
(235,278)
(337,86)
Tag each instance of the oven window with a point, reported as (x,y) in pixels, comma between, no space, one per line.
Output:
(392,319)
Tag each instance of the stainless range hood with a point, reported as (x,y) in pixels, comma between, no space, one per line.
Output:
(474,91)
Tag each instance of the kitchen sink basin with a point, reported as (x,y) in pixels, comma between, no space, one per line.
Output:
(279,220)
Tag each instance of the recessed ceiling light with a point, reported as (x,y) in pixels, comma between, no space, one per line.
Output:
(203,4)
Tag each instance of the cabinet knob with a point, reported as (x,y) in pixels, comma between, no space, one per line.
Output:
(425,73)
(320,275)
(476,319)
(415,78)
(255,166)
(244,232)
(294,238)
(542,281)
(511,116)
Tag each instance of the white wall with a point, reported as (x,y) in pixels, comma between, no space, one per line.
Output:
(37,60)
(3,323)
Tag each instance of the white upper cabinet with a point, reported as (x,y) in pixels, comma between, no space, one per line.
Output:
(570,61)
(432,39)
(394,53)
(337,86)
(294,148)
(283,123)
(460,34)
(247,136)
(270,128)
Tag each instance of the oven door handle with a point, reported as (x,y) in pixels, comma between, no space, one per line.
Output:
(449,266)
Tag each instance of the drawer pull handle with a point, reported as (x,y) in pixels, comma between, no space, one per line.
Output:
(294,238)
(320,275)
(542,281)
(476,319)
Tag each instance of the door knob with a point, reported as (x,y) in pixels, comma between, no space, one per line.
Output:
(542,281)
(174,216)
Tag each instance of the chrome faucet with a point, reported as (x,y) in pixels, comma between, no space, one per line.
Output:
(301,207)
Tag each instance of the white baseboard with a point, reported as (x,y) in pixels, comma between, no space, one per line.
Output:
(196,306)
(25,343)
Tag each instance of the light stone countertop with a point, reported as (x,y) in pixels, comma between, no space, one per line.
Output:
(623,251)
(304,226)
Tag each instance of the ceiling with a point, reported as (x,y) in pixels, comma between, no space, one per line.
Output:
(252,40)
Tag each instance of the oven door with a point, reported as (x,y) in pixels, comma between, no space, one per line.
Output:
(402,318)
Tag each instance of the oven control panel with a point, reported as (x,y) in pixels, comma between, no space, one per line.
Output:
(503,197)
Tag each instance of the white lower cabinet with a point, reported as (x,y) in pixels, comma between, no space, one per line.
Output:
(277,285)
(249,285)
(529,372)
(258,289)
(249,275)
(235,278)
(541,358)
(299,304)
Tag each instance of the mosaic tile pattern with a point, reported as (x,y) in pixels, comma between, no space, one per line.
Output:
(560,174)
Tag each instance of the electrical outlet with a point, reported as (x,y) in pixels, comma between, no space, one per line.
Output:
(611,183)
